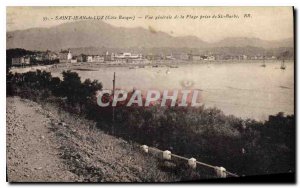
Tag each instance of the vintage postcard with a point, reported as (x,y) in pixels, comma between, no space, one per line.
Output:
(150,94)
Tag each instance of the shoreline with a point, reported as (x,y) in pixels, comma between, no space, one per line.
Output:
(92,68)
(163,63)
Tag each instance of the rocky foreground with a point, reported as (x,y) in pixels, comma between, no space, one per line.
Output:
(45,144)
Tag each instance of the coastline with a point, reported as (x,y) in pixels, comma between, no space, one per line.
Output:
(103,72)
(92,66)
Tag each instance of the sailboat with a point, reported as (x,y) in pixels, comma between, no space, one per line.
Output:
(284,55)
(282,65)
(264,63)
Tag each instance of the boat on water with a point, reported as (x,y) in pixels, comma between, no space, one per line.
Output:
(282,65)
(264,63)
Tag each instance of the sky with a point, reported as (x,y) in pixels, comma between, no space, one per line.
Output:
(267,23)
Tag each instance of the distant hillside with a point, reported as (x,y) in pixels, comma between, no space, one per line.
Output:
(96,34)
(99,34)
(255,42)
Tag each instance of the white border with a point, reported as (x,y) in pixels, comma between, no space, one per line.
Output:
(109,3)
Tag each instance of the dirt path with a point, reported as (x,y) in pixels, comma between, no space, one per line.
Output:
(40,148)
(31,147)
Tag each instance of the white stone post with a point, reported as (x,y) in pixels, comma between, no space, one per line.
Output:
(167,155)
(145,148)
(221,172)
(192,163)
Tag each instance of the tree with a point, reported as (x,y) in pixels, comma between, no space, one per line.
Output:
(71,86)
(77,92)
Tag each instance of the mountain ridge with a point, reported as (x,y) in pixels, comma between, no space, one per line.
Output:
(83,34)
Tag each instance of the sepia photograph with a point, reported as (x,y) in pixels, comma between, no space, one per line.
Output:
(150,94)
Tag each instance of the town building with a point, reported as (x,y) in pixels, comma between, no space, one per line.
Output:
(153,57)
(73,59)
(65,56)
(50,56)
(18,61)
(98,59)
(89,59)
(127,55)
(211,58)
(184,56)
(245,57)
(109,57)
(95,58)
(195,57)
(82,58)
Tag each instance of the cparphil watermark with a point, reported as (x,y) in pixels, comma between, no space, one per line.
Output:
(172,98)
